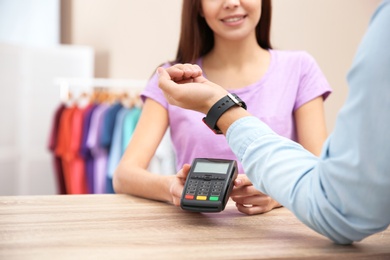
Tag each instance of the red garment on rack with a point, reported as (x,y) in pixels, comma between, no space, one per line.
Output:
(53,140)
(78,168)
(69,138)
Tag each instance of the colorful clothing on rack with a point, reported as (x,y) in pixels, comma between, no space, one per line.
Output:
(87,144)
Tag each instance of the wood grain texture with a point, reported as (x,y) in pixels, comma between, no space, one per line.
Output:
(126,227)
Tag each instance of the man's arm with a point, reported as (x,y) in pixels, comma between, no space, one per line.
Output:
(343,195)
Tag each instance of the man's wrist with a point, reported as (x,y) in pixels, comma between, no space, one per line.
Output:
(219,108)
(231,116)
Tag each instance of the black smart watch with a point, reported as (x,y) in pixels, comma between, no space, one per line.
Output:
(221,107)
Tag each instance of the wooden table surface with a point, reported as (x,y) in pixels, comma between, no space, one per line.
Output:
(125,227)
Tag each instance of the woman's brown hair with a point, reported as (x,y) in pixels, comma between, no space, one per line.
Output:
(197,39)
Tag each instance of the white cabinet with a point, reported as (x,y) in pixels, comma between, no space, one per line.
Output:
(28,99)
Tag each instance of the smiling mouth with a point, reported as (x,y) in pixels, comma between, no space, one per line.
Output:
(233,19)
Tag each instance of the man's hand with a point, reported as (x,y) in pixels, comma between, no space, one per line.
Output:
(184,86)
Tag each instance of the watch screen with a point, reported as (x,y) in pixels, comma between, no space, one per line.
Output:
(211,167)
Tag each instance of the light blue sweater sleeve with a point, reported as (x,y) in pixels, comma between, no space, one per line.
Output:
(344,194)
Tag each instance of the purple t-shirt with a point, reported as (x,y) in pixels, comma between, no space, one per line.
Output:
(98,153)
(292,79)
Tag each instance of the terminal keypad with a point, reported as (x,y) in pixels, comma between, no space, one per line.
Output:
(204,187)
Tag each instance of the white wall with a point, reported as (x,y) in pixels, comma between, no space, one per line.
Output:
(330,30)
(131,38)
(33,22)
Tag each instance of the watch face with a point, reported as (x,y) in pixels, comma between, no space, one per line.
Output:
(236,99)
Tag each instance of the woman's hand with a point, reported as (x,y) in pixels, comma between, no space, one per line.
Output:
(249,200)
(177,184)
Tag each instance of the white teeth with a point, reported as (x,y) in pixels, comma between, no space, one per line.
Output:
(234,19)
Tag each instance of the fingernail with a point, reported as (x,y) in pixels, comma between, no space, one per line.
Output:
(158,71)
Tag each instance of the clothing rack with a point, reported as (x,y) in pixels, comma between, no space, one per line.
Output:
(67,85)
(87,139)
(89,135)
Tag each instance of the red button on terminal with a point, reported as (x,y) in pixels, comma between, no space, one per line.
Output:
(189,197)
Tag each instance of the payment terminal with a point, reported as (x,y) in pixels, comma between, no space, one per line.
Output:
(208,185)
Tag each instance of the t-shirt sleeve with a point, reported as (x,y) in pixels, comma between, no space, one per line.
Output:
(312,82)
(153,91)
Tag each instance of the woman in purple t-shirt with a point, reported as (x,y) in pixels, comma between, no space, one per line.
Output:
(230,41)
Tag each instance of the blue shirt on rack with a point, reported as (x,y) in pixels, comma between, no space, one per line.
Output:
(345,194)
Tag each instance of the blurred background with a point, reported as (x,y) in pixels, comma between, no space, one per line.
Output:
(45,44)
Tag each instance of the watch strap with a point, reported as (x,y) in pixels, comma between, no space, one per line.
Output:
(221,107)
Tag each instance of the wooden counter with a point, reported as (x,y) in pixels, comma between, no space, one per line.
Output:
(126,227)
